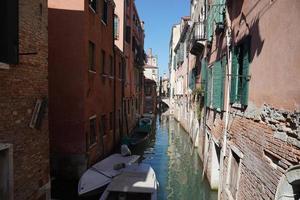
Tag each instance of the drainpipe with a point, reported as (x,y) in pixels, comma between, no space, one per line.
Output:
(225,134)
(115,79)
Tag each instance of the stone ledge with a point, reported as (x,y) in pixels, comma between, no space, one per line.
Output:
(4,66)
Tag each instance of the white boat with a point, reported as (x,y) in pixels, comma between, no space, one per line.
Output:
(101,174)
(136,182)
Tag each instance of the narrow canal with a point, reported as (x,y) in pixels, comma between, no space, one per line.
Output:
(176,163)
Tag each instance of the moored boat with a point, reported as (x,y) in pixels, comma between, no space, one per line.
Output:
(101,174)
(136,182)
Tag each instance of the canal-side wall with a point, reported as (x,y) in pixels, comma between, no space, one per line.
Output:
(249,136)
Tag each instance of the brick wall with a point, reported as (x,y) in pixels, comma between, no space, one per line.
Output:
(21,86)
(265,158)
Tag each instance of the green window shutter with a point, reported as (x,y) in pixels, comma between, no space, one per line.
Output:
(220,11)
(245,73)
(234,75)
(208,87)
(203,73)
(209,23)
(218,86)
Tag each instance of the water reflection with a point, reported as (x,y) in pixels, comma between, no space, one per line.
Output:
(176,163)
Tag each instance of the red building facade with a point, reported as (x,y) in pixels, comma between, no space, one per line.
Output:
(135,59)
(81,84)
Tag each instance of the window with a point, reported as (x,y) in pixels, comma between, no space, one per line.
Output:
(111,65)
(120,122)
(128,106)
(116,27)
(102,62)
(218,72)
(127,3)
(208,91)
(128,34)
(240,73)
(93,4)
(105,11)
(9,34)
(91,56)
(124,73)
(101,130)
(111,121)
(92,130)
(103,123)
(120,70)
(148,91)
(233,177)
(6,171)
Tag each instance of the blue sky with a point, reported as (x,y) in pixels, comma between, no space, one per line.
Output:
(159,17)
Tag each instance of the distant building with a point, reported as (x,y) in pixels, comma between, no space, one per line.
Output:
(151,68)
(165,85)
(24,135)
(133,71)
(150,98)
(175,35)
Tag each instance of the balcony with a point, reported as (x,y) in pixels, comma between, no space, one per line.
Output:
(198,39)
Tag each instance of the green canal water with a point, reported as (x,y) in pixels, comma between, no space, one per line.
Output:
(178,168)
(176,163)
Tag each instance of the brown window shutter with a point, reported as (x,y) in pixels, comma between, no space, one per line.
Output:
(9,34)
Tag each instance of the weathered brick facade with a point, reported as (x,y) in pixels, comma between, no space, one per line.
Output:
(263,137)
(249,135)
(21,86)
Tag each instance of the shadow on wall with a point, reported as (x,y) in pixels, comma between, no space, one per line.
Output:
(257,42)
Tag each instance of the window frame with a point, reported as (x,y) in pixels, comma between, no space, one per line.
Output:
(241,60)
(116,27)
(92,141)
(103,61)
(104,16)
(10,184)
(94,9)
(111,119)
(103,123)
(239,154)
(92,58)
(111,65)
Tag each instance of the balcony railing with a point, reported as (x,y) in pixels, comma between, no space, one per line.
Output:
(198,38)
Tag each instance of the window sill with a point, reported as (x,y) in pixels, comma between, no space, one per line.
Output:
(104,75)
(4,66)
(103,22)
(92,145)
(92,9)
(91,71)
(238,106)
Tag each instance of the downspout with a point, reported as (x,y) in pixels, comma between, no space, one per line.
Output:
(225,134)
(115,78)
(205,107)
